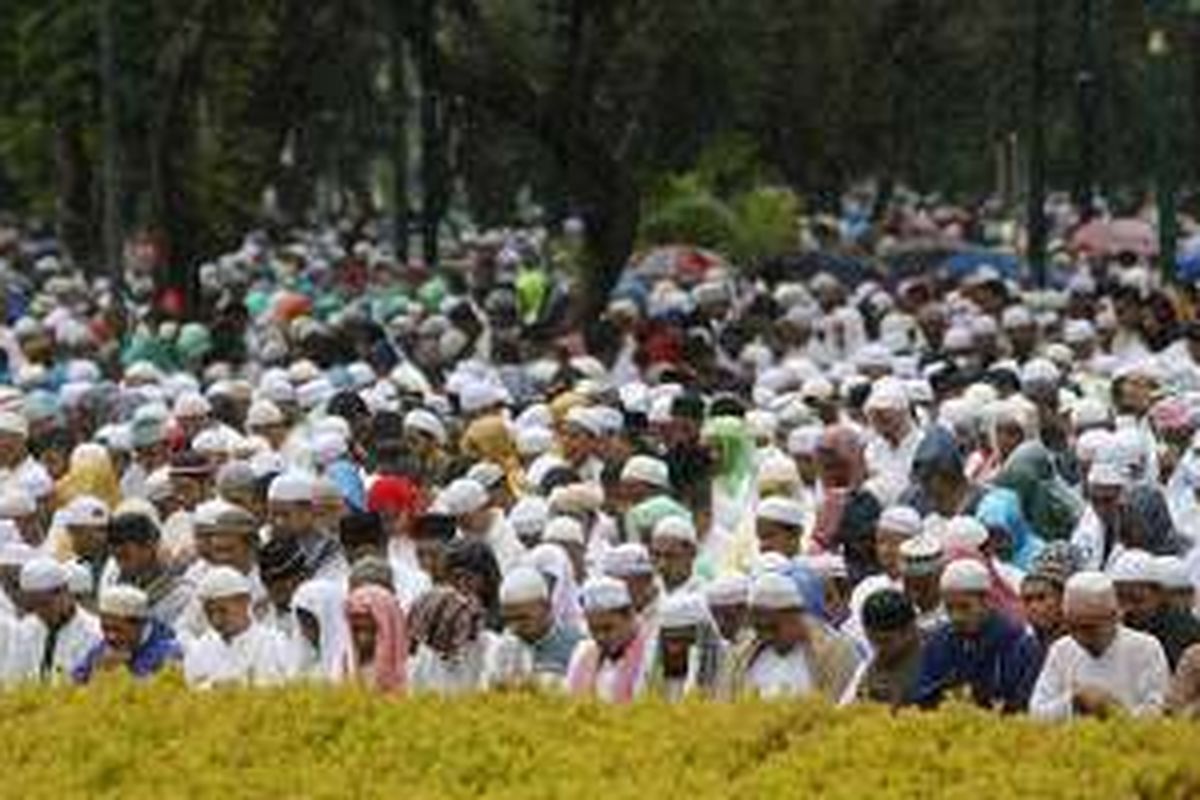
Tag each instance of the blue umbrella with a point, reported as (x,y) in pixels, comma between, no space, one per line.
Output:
(960,265)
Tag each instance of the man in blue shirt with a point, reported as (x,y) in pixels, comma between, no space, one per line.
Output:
(979,654)
(132,639)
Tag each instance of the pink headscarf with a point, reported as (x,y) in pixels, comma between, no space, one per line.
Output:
(391,636)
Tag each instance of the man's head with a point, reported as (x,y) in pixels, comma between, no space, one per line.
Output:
(433,532)
(14,434)
(225,593)
(779,526)
(631,563)
(290,505)
(45,591)
(1042,599)
(467,501)
(124,610)
(281,565)
(921,570)
(680,620)
(21,507)
(191,475)
(525,604)
(888,409)
(229,532)
(611,618)
(1135,578)
(362,535)
(964,586)
(133,540)
(86,521)
(673,548)
(727,599)
(1091,611)
(896,526)
(890,622)
(777,612)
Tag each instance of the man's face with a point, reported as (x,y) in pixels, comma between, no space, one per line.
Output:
(891,646)
(775,537)
(922,590)
(1009,436)
(1043,604)
(578,445)
(1093,629)
(429,558)
(1106,500)
(1139,602)
(290,518)
(673,561)
(887,551)
(476,523)
(275,434)
(730,619)
(362,631)
(12,449)
(135,558)
(53,607)
(641,590)
(780,629)
(121,633)
(527,621)
(612,630)
(967,611)
(189,491)
(230,548)
(87,541)
(676,644)
(228,616)
(890,423)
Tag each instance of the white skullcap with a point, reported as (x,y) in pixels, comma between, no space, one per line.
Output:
(487,474)
(675,528)
(818,388)
(79,578)
(769,562)
(605,594)
(263,413)
(534,440)
(328,447)
(43,574)
(683,610)
(212,441)
(900,520)
(1039,372)
(1016,317)
(782,510)
(1103,473)
(191,404)
(957,339)
(965,575)
(14,504)
(773,591)
(529,515)
(1172,573)
(1090,412)
(315,393)
(627,560)
(564,530)
(463,496)
(964,532)
(921,555)
(221,582)
(587,419)
(85,510)
(291,487)
(116,437)
(805,440)
(983,325)
(1092,444)
(15,553)
(14,424)
(887,394)
(279,391)
(1078,331)
(873,356)
(777,470)
(728,590)
(577,498)
(1089,591)
(123,600)
(646,469)
(523,585)
(1134,566)
(426,422)
(476,395)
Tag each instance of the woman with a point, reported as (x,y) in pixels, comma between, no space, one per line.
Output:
(378,655)
(848,513)
(1013,541)
(490,439)
(733,458)
(1046,500)
(451,642)
(90,473)
(1145,522)
(472,569)
(321,638)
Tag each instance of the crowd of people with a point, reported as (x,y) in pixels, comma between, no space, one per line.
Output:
(359,471)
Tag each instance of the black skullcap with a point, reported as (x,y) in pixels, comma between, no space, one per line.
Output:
(348,405)
(441,527)
(281,558)
(888,610)
(688,405)
(362,529)
(728,405)
(132,528)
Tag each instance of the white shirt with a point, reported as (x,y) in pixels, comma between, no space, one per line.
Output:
(429,672)
(1133,670)
(772,675)
(75,639)
(258,656)
(891,465)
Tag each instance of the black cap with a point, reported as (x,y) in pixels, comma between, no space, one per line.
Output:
(281,558)
(888,610)
(362,529)
(132,528)
(441,527)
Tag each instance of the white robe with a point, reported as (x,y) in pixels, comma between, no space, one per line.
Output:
(75,639)
(775,676)
(1133,670)
(256,657)
(429,672)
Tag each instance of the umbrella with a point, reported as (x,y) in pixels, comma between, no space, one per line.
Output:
(688,264)
(1103,238)
(960,265)
(804,266)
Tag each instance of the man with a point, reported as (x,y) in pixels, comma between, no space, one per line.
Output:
(191,484)
(611,665)
(134,541)
(890,675)
(580,434)
(790,655)
(290,508)
(150,454)
(133,640)
(467,501)
(979,653)
(21,508)
(643,477)
(894,440)
(920,572)
(689,652)
(86,521)
(1103,666)
(630,563)
(56,635)
(780,526)
(1042,594)
(727,598)
(235,650)
(534,647)
(226,535)
(896,526)
(20,472)
(282,567)
(673,549)
(1137,578)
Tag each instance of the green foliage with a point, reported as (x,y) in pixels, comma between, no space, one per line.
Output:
(767,223)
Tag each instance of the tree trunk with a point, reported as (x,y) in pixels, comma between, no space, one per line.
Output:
(75,206)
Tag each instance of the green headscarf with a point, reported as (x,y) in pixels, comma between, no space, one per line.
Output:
(641,519)
(532,288)
(1047,502)
(194,342)
(734,450)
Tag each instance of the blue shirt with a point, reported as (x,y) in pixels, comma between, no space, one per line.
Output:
(999,666)
(158,648)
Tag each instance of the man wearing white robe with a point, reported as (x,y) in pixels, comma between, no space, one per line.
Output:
(236,649)
(57,634)
(1102,666)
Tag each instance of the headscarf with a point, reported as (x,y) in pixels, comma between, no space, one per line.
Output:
(642,518)
(325,600)
(553,563)
(391,636)
(446,620)
(1145,506)
(937,454)
(489,439)
(477,558)
(734,452)
(1001,508)
(349,483)
(395,495)
(847,446)
(90,473)
(1046,501)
